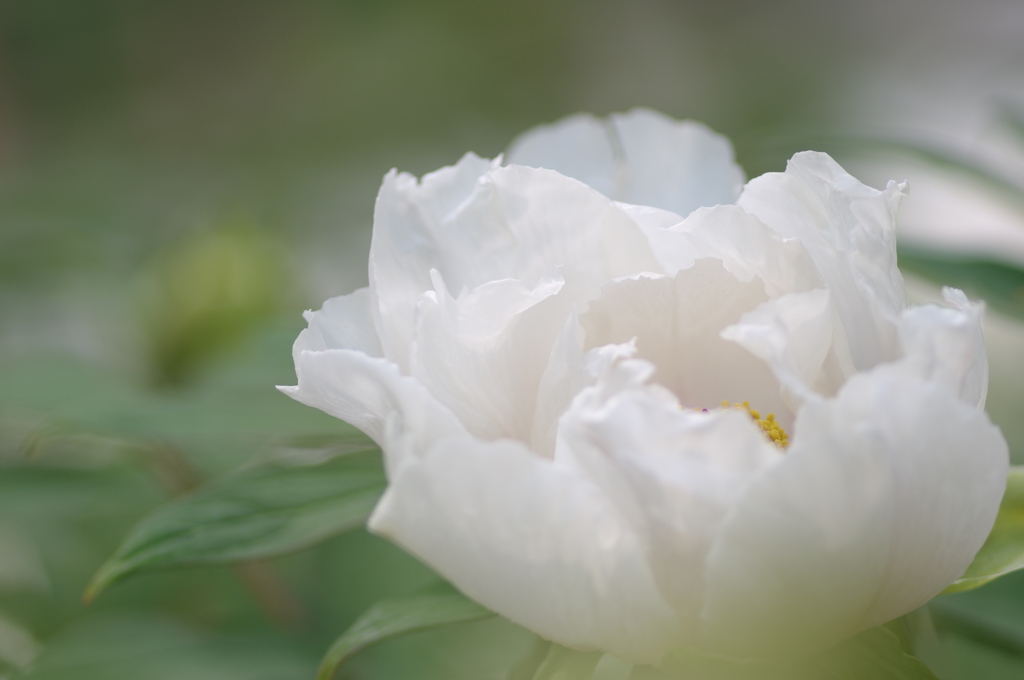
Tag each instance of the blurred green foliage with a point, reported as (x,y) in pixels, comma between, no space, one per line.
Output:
(142,332)
(206,295)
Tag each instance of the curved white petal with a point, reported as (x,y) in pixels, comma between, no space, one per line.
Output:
(742,242)
(484,353)
(849,231)
(370,393)
(476,223)
(677,323)
(344,322)
(673,473)
(884,497)
(406,218)
(526,222)
(675,165)
(564,376)
(532,541)
(640,157)
(793,335)
(946,344)
(578,146)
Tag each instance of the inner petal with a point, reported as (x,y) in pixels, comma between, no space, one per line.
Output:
(677,323)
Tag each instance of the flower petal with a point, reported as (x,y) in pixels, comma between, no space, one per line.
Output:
(578,146)
(640,157)
(526,222)
(849,231)
(370,393)
(882,500)
(476,224)
(675,165)
(404,248)
(344,322)
(531,541)
(564,376)
(742,242)
(483,354)
(677,324)
(946,344)
(793,335)
(674,474)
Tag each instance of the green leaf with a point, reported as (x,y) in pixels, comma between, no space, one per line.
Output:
(874,654)
(18,648)
(1003,551)
(272,509)
(400,616)
(959,617)
(551,661)
(562,663)
(1000,285)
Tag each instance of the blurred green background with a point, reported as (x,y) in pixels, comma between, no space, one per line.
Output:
(180,179)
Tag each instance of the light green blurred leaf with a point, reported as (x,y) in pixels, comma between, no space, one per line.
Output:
(208,294)
(18,647)
(388,619)
(999,631)
(875,654)
(151,646)
(562,663)
(999,284)
(1003,551)
(272,509)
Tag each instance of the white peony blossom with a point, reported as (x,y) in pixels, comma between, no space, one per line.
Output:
(543,352)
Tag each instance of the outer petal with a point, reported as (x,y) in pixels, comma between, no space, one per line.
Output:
(344,322)
(849,230)
(675,165)
(475,224)
(946,344)
(532,541)
(884,497)
(579,146)
(673,473)
(640,157)
(404,247)
(370,393)
(523,223)
(484,353)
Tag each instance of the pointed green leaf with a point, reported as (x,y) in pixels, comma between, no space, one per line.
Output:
(400,616)
(1000,285)
(271,509)
(1003,551)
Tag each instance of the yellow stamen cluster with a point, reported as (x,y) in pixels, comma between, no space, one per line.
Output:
(771,428)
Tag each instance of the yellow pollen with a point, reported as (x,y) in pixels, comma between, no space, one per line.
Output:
(772,429)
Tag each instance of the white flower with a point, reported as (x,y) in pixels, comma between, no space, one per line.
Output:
(544,365)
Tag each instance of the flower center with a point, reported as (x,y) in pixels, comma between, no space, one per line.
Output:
(771,428)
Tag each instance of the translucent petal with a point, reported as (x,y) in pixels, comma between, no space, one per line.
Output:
(640,157)
(394,410)
(850,232)
(882,500)
(673,473)
(532,541)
